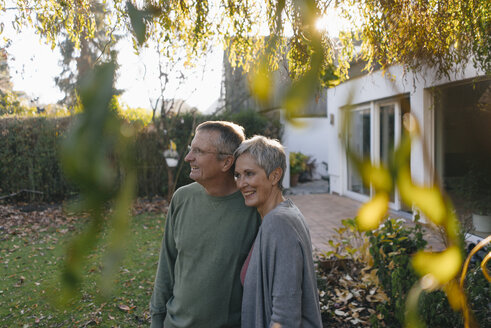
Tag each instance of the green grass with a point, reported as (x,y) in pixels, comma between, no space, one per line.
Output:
(30,270)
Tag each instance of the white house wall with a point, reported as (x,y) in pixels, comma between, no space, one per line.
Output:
(371,88)
(310,137)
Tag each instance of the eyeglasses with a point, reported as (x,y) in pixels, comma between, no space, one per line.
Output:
(198,152)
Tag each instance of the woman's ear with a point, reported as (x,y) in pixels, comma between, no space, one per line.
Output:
(275,176)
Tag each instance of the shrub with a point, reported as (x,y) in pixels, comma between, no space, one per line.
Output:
(10,104)
(255,123)
(436,312)
(29,152)
(391,246)
(298,162)
(29,157)
(479,292)
(150,169)
(349,243)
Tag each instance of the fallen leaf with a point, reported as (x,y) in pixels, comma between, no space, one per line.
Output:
(340,313)
(356,321)
(124,307)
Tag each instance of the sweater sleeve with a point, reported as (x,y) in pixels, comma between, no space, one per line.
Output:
(286,271)
(164,279)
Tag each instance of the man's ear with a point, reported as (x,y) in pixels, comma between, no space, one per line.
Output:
(228,163)
(275,176)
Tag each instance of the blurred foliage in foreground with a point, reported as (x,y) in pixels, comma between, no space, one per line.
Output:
(89,152)
(445,34)
(444,270)
(391,247)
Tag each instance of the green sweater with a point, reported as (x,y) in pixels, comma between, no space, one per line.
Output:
(206,241)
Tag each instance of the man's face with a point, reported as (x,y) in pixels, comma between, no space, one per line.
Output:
(205,166)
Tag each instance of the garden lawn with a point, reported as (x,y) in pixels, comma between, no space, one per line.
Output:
(30,269)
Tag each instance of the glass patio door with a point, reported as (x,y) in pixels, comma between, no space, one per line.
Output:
(375,129)
(387,135)
(359,142)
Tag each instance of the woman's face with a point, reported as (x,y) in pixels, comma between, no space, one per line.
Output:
(255,186)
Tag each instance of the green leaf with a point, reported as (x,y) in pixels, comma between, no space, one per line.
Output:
(137,19)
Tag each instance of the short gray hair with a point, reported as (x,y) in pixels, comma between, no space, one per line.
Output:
(269,154)
(231,135)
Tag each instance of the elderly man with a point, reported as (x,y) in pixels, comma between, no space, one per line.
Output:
(208,234)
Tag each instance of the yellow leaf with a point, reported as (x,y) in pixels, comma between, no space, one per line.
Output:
(299,94)
(378,176)
(455,295)
(371,213)
(442,266)
(428,199)
(411,124)
(261,83)
(484,267)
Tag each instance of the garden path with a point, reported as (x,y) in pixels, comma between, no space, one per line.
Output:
(324,212)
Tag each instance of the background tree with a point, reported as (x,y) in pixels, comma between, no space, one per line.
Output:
(77,62)
(173,72)
(5,80)
(11,102)
(443,34)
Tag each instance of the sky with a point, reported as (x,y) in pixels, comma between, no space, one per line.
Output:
(33,66)
(138,76)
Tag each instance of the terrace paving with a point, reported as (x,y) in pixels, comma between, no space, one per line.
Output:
(323,213)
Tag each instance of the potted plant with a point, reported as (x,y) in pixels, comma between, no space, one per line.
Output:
(298,164)
(477,192)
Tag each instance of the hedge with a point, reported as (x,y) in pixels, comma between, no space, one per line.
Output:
(29,154)
(29,157)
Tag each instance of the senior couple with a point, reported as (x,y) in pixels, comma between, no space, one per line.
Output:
(235,252)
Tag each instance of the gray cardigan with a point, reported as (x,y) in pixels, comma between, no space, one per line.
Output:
(280,285)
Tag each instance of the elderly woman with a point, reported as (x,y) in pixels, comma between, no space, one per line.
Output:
(280,288)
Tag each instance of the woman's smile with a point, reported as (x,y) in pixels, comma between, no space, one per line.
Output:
(256,187)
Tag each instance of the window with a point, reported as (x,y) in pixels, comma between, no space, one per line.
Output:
(375,129)
(359,143)
(387,135)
